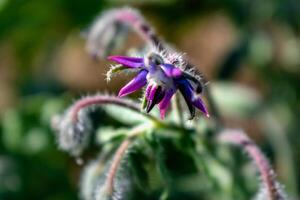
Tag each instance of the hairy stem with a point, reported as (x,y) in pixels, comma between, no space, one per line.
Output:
(139,25)
(104,99)
(109,183)
(119,155)
(239,138)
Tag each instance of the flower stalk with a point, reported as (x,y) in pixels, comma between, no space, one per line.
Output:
(104,99)
(119,155)
(109,183)
(176,107)
(271,189)
(140,26)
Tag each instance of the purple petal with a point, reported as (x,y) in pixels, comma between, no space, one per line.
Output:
(158,96)
(165,103)
(171,71)
(187,92)
(198,103)
(191,99)
(130,62)
(138,82)
(152,92)
(147,92)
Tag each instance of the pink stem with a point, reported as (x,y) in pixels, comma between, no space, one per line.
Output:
(109,184)
(100,100)
(239,138)
(140,26)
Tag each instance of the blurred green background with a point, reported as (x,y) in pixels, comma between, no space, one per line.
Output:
(249,50)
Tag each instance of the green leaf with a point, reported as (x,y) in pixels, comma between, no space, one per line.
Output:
(137,162)
(124,115)
(108,134)
(92,174)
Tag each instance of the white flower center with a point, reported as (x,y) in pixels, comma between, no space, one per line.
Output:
(158,77)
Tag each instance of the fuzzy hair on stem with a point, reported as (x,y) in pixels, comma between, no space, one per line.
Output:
(101,99)
(270,188)
(107,190)
(74,126)
(111,27)
(73,135)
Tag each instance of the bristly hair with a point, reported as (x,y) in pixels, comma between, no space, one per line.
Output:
(110,29)
(270,189)
(116,69)
(172,56)
(73,134)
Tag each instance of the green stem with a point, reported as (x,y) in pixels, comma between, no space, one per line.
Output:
(178,110)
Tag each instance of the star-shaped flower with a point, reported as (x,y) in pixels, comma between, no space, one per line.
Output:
(162,80)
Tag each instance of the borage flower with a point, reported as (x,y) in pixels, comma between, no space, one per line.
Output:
(163,79)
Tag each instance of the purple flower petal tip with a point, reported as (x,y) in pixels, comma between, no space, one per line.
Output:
(136,83)
(165,103)
(162,115)
(198,103)
(130,62)
(121,93)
